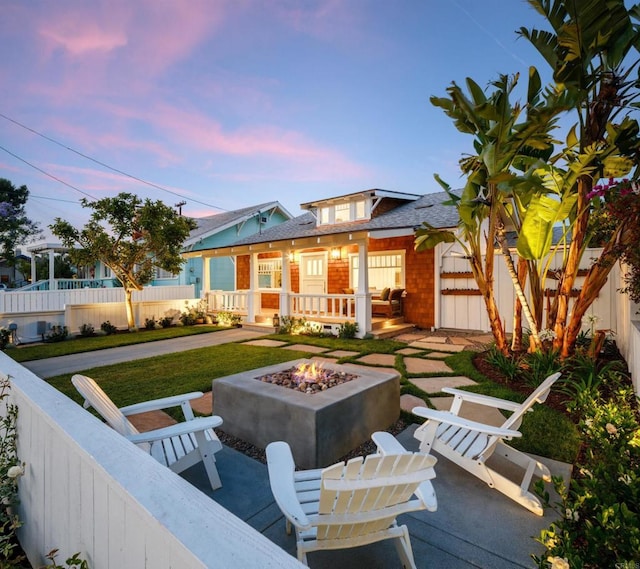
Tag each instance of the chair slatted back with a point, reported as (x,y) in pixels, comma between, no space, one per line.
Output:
(354,496)
(95,397)
(539,395)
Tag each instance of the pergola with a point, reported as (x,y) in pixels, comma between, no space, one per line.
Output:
(45,247)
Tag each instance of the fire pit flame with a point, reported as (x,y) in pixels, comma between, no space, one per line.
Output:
(309,373)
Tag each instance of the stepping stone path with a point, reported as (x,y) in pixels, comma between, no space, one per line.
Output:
(418,365)
(378,359)
(435,384)
(410,351)
(408,402)
(151,420)
(436,355)
(428,345)
(342,354)
(305,348)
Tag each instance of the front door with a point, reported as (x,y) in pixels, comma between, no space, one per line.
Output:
(313,277)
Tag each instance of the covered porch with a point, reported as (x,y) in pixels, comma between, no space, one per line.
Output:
(318,279)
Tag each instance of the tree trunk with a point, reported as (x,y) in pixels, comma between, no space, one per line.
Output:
(518,288)
(131,321)
(516,341)
(595,279)
(568,277)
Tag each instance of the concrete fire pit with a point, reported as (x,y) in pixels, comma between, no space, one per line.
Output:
(319,427)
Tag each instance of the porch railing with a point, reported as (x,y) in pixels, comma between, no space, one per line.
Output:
(326,306)
(227,301)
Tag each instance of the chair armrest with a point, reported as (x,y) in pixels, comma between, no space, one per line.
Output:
(486,400)
(281,471)
(387,443)
(456,421)
(184,428)
(163,403)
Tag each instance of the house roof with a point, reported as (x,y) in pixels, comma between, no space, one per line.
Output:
(405,217)
(377,193)
(218,222)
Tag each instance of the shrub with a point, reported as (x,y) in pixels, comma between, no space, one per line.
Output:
(166,321)
(599,523)
(300,326)
(87,330)
(10,472)
(5,335)
(228,319)
(508,365)
(348,330)
(108,328)
(149,323)
(57,334)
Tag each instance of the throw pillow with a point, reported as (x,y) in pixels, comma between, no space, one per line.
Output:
(384,295)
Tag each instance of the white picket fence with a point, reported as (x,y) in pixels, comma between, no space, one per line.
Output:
(87,489)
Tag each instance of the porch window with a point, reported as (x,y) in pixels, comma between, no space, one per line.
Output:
(106,272)
(162,274)
(270,273)
(385,270)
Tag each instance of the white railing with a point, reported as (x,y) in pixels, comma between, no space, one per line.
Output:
(227,301)
(67,284)
(87,489)
(326,306)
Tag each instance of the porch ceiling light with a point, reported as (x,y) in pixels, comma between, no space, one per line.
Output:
(335,253)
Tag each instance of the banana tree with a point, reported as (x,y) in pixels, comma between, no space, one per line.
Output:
(592,50)
(488,202)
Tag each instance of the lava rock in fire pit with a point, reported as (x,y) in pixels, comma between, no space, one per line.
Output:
(307,378)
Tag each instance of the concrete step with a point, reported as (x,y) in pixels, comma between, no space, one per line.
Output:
(380,323)
(392,330)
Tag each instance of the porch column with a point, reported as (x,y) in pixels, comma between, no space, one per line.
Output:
(33,267)
(363,298)
(285,287)
(52,278)
(253,300)
(206,276)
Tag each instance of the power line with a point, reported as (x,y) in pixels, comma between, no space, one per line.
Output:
(47,174)
(142,181)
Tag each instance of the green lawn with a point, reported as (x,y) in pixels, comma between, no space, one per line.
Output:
(80,344)
(545,431)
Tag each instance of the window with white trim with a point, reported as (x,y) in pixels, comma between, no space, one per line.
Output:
(386,269)
(106,272)
(270,273)
(162,274)
(342,212)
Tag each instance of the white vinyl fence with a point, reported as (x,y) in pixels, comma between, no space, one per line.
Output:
(36,312)
(460,307)
(87,489)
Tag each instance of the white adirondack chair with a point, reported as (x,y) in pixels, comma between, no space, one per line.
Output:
(178,446)
(350,505)
(470,444)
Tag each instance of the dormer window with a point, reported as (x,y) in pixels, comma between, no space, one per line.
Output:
(343,212)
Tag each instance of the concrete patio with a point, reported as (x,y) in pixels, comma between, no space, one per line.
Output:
(474,526)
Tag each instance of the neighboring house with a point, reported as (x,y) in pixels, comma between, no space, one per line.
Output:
(10,276)
(310,265)
(220,230)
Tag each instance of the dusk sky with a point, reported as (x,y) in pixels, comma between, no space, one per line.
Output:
(226,104)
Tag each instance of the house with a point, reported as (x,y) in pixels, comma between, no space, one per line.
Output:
(309,266)
(10,275)
(219,230)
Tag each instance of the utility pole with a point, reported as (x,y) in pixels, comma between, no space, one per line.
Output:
(179,206)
